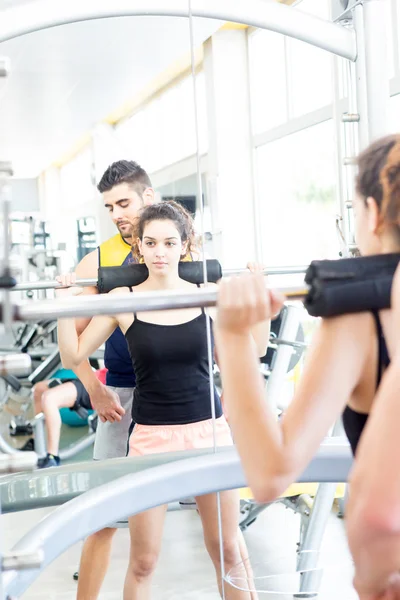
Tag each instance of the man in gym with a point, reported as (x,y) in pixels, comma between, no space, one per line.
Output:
(125,188)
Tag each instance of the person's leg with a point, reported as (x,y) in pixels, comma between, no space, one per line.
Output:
(93,566)
(37,392)
(53,399)
(247,568)
(230,503)
(146,535)
(111,440)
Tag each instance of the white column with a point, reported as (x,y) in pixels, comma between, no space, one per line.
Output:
(105,150)
(377,61)
(372,70)
(229,179)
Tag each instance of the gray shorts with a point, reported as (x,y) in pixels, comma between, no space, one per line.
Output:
(112,438)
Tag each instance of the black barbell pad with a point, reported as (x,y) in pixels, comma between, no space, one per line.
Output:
(363,267)
(109,278)
(350,285)
(327,300)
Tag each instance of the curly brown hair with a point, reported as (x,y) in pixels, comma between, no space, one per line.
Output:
(165,211)
(379,178)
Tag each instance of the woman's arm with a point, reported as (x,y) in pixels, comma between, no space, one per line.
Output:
(272,453)
(73,348)
(260,334)
(373,509)
(261,331)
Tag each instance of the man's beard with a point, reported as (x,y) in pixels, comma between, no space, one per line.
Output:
(126,234)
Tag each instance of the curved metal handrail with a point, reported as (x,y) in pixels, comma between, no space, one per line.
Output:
(137,492)
(42,14)
(52,487)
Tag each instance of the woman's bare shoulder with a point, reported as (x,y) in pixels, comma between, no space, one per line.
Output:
(209,284)
(120,290)
(358,328)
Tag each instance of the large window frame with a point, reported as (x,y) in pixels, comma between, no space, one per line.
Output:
(333,110)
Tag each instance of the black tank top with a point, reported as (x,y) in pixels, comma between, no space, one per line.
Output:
(171,368)
(354,421)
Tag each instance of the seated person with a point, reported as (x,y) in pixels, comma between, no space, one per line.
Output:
(51,395)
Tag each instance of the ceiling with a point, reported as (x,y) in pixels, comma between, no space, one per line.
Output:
(65,80)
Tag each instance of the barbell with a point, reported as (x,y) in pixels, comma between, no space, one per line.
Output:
(89,306)
(130,275)
(332,287)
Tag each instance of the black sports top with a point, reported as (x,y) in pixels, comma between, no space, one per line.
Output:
(354,421)
(171,368)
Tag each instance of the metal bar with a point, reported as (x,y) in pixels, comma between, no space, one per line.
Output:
(5,274)
(49,285)
(79,446)
(350,118)
(137,492)
(279,341)
(17,561)
(4,66)
(15,364)
(20,20)
(361,79)
(377,70)
(89,306)
(52,284)
(40,435)
(311,546)
(293,270)
(13,463)
(283,356)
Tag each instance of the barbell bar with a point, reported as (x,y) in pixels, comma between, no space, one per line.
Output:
(89,306)
(28,286)
(52,284)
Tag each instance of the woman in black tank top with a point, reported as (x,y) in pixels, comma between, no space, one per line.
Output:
(344,367)
(172,408)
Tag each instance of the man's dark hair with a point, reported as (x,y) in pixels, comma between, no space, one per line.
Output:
(124,171)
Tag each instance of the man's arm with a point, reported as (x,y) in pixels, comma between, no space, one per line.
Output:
(104,401)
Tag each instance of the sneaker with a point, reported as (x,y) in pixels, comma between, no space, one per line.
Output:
(29,446)
(49,461)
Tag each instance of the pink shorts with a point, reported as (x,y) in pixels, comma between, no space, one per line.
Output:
(154,439)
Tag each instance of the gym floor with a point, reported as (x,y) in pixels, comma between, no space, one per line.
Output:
(187,572)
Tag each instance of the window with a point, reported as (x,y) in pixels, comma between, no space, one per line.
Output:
(318,8)
(267,80)
(163,131)
(390,32)
(394,113)
(296,194)
(288,77)
(76,179)
(310,77)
